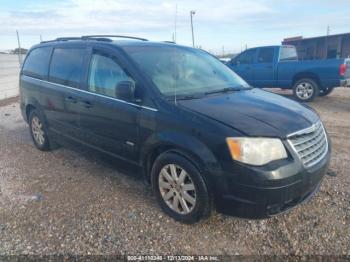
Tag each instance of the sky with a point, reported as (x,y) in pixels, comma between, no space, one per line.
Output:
(219,25)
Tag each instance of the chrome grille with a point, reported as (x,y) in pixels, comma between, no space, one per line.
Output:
(310,144)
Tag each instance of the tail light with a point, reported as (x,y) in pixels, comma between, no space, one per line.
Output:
(342,69)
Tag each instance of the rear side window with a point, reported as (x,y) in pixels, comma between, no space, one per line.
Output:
(67,66)
(37,62)
(266,55)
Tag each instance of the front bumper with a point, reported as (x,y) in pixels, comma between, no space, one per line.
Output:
(279,190)
(345,83)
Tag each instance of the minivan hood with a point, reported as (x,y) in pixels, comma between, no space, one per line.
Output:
(254,112)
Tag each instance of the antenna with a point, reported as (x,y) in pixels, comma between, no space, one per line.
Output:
(176,76)
(175,98)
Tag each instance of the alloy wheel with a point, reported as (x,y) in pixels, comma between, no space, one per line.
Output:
(37,130)
(304,90)
(177,189)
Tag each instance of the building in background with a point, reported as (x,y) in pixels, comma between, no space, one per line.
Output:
(321,47)
(9,72)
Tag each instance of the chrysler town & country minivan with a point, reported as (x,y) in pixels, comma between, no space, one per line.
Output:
(204,139)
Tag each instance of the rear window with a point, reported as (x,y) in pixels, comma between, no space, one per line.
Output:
(37,62)
(67,66)
(288,53)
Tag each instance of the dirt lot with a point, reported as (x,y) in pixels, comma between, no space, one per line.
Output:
(74,202)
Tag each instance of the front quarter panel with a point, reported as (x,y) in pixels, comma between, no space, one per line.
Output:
(200,138)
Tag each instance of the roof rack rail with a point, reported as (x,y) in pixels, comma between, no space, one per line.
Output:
(112,36)
(61,39)
(106,38)
(68,38)
(170,42)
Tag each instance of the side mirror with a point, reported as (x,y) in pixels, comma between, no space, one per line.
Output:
(125,90)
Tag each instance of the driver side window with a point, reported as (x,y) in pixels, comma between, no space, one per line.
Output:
(246,57)
(105,74)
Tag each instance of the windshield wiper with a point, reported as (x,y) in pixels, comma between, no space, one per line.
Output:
(189,97)
(184,97)
(223,90)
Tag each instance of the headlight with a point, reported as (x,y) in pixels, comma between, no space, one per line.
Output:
(256,151)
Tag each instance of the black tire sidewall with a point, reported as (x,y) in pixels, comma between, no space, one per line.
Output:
(314,85)
(326,92)
(46,145)
(202,208)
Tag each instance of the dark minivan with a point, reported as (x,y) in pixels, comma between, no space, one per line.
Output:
(203,137)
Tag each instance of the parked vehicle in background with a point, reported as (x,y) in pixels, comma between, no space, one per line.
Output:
(278,66)
(202,136)
(225,59)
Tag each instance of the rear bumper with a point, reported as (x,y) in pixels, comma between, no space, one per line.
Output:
(345,82)
(23,111)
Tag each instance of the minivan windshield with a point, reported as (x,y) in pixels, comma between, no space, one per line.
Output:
(184,71)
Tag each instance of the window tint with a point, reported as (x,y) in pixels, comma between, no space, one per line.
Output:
(288,53)
(265,55)
(105,75)
(247,57)
(36,64)
(67,66)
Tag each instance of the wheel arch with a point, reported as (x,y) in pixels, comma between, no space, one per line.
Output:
(33,104)
(29,108)
(201,157)
(309,75)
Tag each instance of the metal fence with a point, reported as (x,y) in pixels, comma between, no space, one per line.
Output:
(9,70)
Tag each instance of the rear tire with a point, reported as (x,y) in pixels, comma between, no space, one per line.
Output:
(306,90)
(327,91)
(180,189)
(38,131)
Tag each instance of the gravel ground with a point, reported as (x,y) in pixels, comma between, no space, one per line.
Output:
(70,201)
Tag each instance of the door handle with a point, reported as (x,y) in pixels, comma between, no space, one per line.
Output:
(70,99)
(86,104)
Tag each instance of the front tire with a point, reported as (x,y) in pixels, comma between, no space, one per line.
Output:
(180,189)
(306,90)
(38,131)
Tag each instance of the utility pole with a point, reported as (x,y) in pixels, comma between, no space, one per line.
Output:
(175,25)
(19,49)
(326,42)
(192,13)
